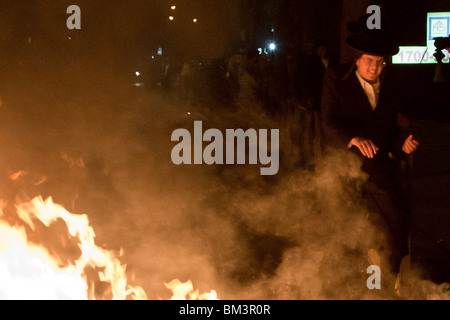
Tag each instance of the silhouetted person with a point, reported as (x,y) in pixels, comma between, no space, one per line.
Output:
(314,67)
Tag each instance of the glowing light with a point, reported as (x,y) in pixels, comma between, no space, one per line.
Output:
(195,20)
(173,7)
(170,18)
(272,46)
(185,291)
(137,73)
(29,271)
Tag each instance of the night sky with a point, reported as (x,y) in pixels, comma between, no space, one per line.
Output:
(139,27)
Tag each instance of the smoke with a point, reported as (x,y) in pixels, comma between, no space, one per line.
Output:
(302,234)
(96,144)
(224,227)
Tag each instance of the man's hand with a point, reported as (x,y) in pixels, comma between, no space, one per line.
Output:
(410,145)
(365,146)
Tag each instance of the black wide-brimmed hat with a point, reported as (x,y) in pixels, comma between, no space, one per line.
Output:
(377,42)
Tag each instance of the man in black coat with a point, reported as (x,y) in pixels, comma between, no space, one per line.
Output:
(360,113)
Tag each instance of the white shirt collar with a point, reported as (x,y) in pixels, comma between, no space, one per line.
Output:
(372,90)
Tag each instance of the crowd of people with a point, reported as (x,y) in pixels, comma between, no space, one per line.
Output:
(248,77)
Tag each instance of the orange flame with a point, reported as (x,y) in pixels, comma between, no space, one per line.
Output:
(28,271)
(14,240)
(185,291)
(19,259)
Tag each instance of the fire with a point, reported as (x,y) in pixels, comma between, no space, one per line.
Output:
(185,291)
(28,270)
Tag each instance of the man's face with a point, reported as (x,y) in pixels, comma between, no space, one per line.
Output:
(370,67)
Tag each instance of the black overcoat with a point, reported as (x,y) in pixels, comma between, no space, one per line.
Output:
(346,113)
